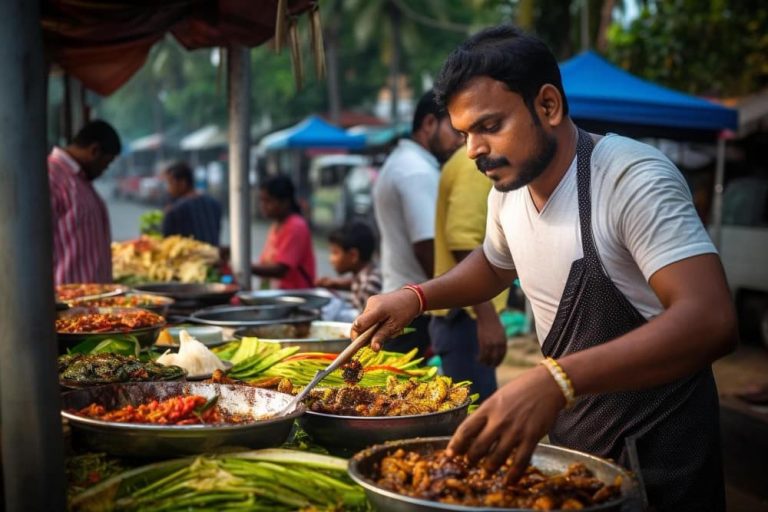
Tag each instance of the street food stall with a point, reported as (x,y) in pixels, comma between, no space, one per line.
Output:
(145,420)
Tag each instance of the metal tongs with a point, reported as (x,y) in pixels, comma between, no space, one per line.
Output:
(342,358)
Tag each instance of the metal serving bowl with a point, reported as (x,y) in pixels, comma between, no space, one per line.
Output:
(198,293)
(345,435)
(155,441)
(156,303)
(364,469)
(319,336)
(146,336)
(245,316)
(313,298)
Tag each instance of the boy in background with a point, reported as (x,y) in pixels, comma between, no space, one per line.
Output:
(351,251)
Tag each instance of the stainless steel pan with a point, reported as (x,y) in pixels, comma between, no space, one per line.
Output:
(363,468)
(154,441)
(345,435)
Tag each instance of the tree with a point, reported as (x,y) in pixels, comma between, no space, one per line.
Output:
(711,48)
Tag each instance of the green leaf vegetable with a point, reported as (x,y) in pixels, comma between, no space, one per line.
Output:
(263,480)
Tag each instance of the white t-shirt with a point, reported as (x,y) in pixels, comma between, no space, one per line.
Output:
(643,219)
(405,198)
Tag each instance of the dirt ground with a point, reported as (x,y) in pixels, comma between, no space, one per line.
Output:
(745,427)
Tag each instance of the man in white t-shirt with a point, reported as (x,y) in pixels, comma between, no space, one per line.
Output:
(405,198)
(629,296)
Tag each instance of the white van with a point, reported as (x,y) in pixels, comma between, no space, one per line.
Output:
(341,187)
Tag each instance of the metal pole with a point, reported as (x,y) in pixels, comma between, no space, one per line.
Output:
(32,451)
(239,73)
(584,25)
(76,94)
(717,200)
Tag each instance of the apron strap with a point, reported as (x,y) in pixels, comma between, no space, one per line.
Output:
(584,148)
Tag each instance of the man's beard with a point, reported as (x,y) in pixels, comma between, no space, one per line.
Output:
(532,168)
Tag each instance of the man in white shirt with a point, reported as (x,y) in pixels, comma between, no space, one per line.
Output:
(629,296)
(405,199)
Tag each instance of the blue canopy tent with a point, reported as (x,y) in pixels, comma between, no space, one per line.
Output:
(603,97)
(313,132)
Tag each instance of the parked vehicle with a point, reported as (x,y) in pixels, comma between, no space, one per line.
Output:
(744,252)
(341,189)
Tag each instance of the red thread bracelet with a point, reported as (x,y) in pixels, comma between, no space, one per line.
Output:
(415,288)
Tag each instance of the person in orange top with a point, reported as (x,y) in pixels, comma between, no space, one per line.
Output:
(288,256)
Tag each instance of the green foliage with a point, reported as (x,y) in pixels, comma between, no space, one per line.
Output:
(713,48)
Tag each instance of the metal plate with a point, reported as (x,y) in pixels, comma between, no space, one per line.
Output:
(112,291)
(244,316)
(297,316)
(155,441)
(160,306)
(345,435)
(319,336)
(201,293)
(146,336)
(314,298)
(550,459)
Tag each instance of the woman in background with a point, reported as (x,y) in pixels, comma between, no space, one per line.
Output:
(288,257)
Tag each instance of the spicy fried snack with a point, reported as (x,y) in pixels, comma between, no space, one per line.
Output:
(438,477)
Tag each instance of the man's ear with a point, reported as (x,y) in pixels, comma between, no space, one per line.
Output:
(549,105)
(354,255)
(94,150)
(429,124)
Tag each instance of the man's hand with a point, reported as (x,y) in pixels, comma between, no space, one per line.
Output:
(491,337)
(511,422)
(392,311)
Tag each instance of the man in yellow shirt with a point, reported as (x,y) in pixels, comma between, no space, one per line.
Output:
(471,342)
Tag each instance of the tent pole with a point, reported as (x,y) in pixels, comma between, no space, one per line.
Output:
(239,91)
(32,445)
(717,201)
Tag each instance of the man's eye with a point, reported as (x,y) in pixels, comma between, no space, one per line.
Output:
(490,128)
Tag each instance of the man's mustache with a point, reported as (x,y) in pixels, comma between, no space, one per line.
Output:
(487,163)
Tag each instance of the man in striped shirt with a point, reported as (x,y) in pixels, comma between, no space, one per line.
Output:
(81,234)
(191,214)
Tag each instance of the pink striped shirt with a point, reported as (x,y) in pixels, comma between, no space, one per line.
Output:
(81,235)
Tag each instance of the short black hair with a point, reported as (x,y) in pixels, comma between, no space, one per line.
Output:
(504,53)
(281,187)
(355,235)
(181,171)
(101,133)
(426,105)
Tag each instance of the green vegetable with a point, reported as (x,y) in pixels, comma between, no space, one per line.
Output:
(126,345)
(269,480)
(151,222)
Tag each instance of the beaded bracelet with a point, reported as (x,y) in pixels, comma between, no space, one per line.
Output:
(419,295)
(562,380)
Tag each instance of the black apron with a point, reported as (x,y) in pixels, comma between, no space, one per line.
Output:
(668,434)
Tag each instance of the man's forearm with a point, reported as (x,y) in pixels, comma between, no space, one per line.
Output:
(473,281)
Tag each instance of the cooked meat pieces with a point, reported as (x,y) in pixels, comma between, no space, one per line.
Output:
(436,476)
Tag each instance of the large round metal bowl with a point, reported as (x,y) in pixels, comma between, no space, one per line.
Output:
(245,316)
(155,441)
(345,435)
(198,293)
(314,298)
(364,468)
(319,336)
(156,303)
(75,292)
(146,336)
